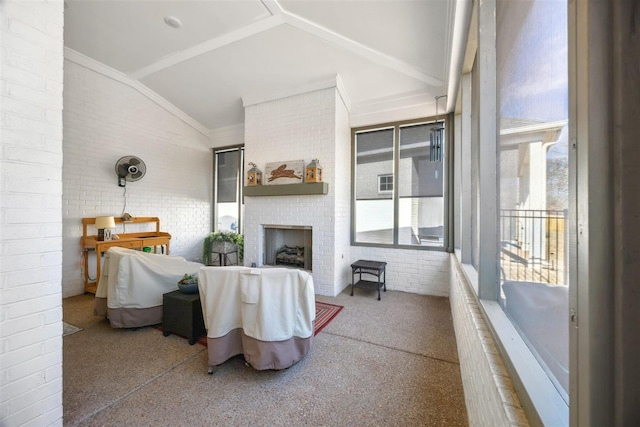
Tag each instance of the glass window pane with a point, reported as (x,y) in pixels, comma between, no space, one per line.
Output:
(532,82)
(475,166)
(385,183)
(420,188)
(227,217)
(227,170)
(374,221)
(227,189)
(373,208)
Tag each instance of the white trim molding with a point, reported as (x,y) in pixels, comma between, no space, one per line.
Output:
(98,67)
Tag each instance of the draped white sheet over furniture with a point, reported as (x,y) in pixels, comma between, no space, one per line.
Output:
(265,314)
(132,284)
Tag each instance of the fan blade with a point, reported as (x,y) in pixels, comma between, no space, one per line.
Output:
(134,161)
(123,170)
(137,175)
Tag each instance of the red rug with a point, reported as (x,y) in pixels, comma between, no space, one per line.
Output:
(325,313)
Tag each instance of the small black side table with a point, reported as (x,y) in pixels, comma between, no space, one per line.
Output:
(182,315)
(374,268)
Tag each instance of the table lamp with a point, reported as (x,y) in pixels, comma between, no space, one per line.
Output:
(104,224)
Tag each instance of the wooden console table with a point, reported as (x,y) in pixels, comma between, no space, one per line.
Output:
(126,240)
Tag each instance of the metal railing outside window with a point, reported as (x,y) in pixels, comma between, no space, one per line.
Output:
(533,245)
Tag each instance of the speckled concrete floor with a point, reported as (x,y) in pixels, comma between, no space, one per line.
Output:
(389,362)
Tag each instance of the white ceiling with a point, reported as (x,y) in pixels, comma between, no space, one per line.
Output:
(393,57)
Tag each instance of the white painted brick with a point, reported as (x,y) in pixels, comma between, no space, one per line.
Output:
(105,120)
(47,407)
(307,126)
(23,77)
(489,393)
(415,271)
(31,77)
(301,123)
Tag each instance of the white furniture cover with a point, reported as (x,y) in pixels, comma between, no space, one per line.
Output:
(265,314)
(132,283)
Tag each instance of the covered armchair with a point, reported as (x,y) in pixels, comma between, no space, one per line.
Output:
(265,314)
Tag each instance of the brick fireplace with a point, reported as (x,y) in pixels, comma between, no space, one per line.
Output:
(304,126)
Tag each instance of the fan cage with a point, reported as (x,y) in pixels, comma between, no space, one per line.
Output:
(130,168)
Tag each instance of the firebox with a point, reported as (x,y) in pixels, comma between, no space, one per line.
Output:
(288,246)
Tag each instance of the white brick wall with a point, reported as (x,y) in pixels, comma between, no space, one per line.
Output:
(414,271)
(31,78)
(104,120)
(227,136)
(316,125)
(489,393)
(342,192)
(300,127)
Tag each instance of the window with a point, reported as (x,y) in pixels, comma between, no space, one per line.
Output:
(385,183)
(398,190)
(513,105)
(228,201)
(533,158)
(374,217)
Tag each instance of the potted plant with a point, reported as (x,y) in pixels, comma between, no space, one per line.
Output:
(188,284)
(222,242)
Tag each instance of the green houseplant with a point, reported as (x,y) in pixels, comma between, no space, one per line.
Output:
(222,242)
(188,284)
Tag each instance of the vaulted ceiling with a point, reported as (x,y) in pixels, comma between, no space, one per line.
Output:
(392,57)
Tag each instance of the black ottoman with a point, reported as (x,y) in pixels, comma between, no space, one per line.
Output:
(182,315)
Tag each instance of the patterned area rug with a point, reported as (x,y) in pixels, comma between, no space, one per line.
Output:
(68,329)
(325,314)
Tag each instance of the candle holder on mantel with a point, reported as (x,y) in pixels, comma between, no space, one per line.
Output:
(254,175)
(313,171)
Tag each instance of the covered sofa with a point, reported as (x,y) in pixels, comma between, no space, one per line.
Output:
(132,283)
(266,314)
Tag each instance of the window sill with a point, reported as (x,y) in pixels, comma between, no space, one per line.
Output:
(409,247)
(541,400)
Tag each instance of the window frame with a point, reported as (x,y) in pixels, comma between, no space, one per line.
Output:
(240,185)
(380,177)
(541,400)
(447,163)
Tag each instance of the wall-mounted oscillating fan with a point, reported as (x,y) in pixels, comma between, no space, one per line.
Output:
(130,168)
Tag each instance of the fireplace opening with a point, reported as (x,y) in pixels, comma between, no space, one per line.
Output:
(288,246)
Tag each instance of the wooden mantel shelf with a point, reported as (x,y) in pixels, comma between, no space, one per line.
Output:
(308,188)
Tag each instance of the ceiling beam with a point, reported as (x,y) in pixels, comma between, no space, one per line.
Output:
(209,45)
(462,18)
(278,17)
(359,49)
(105,70)
(272,6)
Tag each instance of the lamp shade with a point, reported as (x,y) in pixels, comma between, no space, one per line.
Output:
(105,222)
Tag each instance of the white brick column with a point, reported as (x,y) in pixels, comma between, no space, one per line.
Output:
(307,126)
(31,79)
